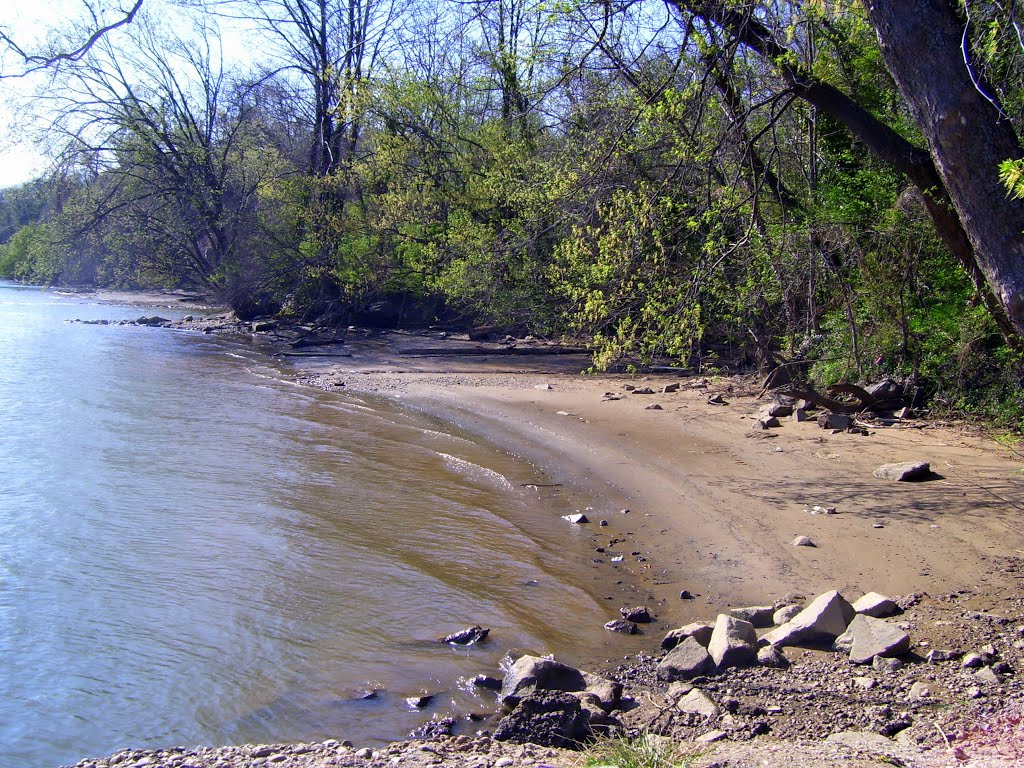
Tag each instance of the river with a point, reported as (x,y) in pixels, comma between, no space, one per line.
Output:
(195,550)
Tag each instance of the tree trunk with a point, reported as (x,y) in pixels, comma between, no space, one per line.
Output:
(920,42)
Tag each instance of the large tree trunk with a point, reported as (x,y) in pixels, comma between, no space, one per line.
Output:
(920,42)
(1002,296)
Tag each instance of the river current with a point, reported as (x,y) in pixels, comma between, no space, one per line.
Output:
(194,550)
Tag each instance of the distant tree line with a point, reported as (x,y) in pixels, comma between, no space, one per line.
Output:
(699,182)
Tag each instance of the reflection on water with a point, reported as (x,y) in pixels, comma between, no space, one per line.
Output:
(194,550)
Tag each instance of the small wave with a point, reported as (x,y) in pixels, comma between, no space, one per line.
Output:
(475,470)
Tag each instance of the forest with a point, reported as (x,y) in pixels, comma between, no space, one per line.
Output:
(712,184)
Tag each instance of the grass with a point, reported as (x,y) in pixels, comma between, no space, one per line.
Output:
(647,751)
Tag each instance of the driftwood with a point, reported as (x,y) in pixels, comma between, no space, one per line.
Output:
(804,392)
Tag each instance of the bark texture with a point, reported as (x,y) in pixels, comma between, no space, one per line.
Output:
(967,139)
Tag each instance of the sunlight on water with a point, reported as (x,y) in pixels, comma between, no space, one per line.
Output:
(195,550)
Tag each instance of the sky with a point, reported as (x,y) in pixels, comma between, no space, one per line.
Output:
(28,22)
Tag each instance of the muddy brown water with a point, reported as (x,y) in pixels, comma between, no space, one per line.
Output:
(195,550)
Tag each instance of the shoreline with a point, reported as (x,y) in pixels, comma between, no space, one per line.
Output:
(713,505)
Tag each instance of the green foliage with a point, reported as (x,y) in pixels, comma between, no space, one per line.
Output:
(646,751)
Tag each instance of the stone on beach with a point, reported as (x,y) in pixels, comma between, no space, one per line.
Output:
(638,614)
(698,703)
(877,606)
(549,718)
(784,614)
(576,519)
(803,541)
(760,616)
(733,642)
(698,630)
(468,636)
(824,619)
(530,673)
(687,660)
(907,471)
(868,637)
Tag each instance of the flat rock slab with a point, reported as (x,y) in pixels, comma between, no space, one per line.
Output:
(877,606)
(733,642)
(826,618)
(867,637)
(908,471)
(687,660)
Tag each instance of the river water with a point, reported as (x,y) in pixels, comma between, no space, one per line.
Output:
(194,550)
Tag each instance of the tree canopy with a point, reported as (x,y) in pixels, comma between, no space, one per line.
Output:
(706,182)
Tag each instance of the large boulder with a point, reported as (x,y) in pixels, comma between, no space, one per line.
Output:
(825,618)
(547,718)
(699,630)
(867,637)
(533,673)
(733,642)
(687,660)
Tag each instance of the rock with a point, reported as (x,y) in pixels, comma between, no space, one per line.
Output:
(639,614)
(698,630)
(435,728)
(419,702)
(780,410)
(767,422)
(824,619)
(760,616)
(877,606)
(262,326)
(670,388)
(867,637)
(972,661)
(468,636)
(772,657)
(799,415)
(786,612)
(733,642)
(152,321)
(577,519)
(488,682)
(865,683)
(685,594)
(829,420)
(717,400)
(364,754)
(988,676)
(548,718)
(643,391)
(543,386)
(622,625)
(654,407)
(1002,668)
(918,691)
(531,673)
(885,665)
(711,737)
(907,471)
(874,748)
(698,703)
(936,656)
(817,509)
(803,541)
(687,660)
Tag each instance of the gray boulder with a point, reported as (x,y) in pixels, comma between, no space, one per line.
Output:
(733,642)
(824,619)
(877,606)
(638,614)
(867,637)
(699,630)
(760,616)
(770,656)
(834,421)
(532,673)
(687,660)
(907,471)
(548,718)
